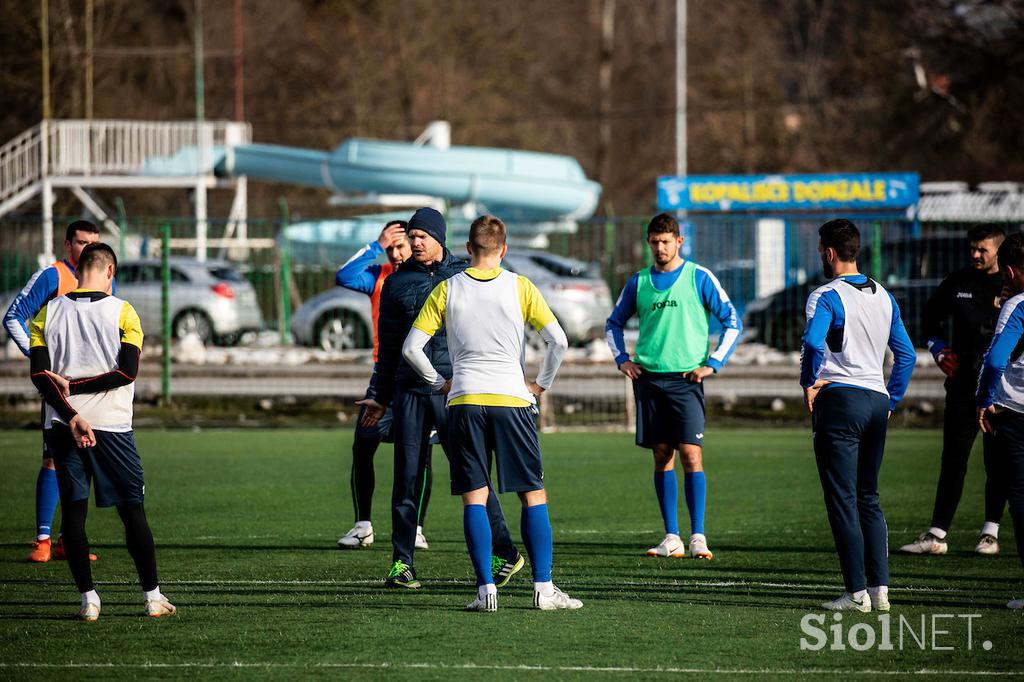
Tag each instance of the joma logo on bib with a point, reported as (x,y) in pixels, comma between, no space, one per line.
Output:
(658,305)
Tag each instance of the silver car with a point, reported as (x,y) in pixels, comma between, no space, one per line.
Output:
(339,319)
(210,299)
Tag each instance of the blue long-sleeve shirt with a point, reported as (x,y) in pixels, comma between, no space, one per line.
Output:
(360,272)
(41,287)
(1009,330)
(829,314)
(712,297)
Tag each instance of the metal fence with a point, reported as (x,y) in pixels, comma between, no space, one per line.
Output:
(241,344)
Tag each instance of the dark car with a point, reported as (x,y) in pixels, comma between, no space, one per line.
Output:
(911,269)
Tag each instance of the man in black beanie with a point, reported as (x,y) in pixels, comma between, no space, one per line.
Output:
(415,406)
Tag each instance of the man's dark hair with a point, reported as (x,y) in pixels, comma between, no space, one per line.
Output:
(843,236)
(80,226)
(663,223)
(401,223)
(983,231)
(96,255)
(1011,252)
(487,234)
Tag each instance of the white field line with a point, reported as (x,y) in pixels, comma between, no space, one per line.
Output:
(184,665)
(330,582)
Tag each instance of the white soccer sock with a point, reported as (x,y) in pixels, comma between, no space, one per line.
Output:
(152,595)
(937,532)
(989,528)
(45,536)
(547,587)
(858,595)
(880,591)
(364,525)
(90,597)
(485,590)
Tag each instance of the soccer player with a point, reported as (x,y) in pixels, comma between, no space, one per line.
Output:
(1000,398)
(673,300)
(971,298)
(850,322)
(85,349)
(416,407)
(46,284)
(490,402)
(361,273)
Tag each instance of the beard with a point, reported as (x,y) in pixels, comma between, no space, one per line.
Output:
(829,271)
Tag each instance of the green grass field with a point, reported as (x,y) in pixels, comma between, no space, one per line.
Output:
(246,524)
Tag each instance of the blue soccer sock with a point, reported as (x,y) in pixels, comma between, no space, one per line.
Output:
(667,489)
(536,529)
(477,528)
(47,496)
(696,495)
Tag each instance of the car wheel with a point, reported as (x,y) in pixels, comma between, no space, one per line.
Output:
(193,322)
(341,331)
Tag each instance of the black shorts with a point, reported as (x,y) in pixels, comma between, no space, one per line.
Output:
(669,410)
(382,429)
(113,465)
(510,433)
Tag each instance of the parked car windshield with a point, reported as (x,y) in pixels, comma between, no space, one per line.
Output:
(225,274)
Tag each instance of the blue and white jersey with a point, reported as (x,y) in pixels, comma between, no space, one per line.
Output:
(360,272)
(1002,372)
(43,286)
(712,297)
(850,322)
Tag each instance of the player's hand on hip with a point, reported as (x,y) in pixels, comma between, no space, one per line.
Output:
(82,432)
(62,384)
(947,362)
(372,414)
(983,418)
(534,388)
(631,369)
(811,393)
(446,387)
(698,375)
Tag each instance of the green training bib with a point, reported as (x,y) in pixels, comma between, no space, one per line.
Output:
(673,323)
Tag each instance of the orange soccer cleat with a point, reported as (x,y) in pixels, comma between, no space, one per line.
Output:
(40,553)
(58,552)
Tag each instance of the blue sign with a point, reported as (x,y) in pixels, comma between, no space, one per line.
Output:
(850,191)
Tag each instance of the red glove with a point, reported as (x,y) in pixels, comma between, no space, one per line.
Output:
(947,362)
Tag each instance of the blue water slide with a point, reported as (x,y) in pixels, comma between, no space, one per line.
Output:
(517,184)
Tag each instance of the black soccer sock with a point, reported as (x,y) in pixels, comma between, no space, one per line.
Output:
(363,450)
(76,544)
(139,539)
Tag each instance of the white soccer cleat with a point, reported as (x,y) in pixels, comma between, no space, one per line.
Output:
(699,547)
(360,536)
(926,543)
(847,603)
(1015,604)
(879,600)
(90,612)
(421,540)
(555,600)
(487,603)
(158,608)
(672,545)
(988,544)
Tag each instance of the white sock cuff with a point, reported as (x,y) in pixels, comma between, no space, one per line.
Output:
(152,595)
(90,597)
(42,536)
(989,528)
(546,587)
(859,594)
(487,589)
(877,591)
(937,532)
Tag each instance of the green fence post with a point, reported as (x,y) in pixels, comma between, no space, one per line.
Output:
(284,319)
(165,312)
(122,222)
(876,250)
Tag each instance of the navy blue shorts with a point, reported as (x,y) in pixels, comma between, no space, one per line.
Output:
(382,429)
(510,433)
(669,410)
(113,465)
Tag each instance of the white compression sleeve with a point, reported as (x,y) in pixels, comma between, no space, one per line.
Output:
(557,344)
(412,351)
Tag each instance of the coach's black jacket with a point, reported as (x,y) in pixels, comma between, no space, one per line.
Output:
(970,300)
(403,295)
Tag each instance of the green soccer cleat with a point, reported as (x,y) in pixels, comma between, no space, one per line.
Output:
(402,575)
(502,570)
